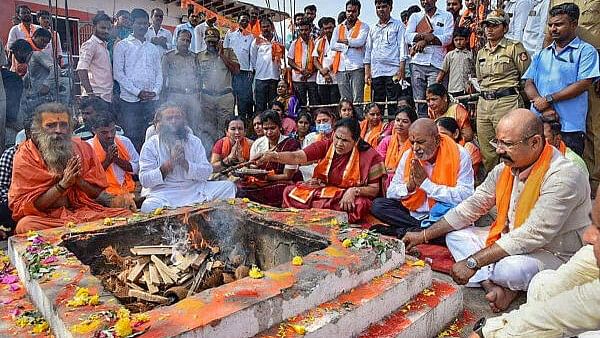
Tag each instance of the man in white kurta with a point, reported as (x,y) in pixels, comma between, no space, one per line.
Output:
(174,168)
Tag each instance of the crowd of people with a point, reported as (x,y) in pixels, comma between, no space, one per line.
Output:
(174,119)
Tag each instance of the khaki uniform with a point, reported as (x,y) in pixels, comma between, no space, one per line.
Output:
(217,99)
(498,69)
(181,83)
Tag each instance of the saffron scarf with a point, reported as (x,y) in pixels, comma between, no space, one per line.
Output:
(371,136)
(527,199)
(341,36)
(298,49)
(394,152)
(445,172)
(321,49)
(114,187)
(350,177)
(562,147)
(29,35)
(228,145)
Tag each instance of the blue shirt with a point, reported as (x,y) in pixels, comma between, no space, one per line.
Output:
(552,72)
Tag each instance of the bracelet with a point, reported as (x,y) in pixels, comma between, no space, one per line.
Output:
(424,236)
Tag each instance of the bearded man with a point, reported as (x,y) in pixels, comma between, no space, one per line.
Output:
(174,168)
(56,178)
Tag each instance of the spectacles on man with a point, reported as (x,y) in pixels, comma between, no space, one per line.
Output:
(508,145)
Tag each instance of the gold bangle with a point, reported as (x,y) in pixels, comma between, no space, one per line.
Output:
(424,236)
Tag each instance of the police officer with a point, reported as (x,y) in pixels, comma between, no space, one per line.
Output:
(499,67)
(217,66)
(181,77)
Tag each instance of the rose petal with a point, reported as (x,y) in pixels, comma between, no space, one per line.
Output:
(9,279)
(49,259)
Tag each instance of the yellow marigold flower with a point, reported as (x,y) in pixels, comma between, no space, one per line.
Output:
(21,322)
(246,200)
(108,221)
(418,262)
(123,313)
(347,243)
(86,326)
(299,329)
(94,300)
(297,261)
(41,327)
(141,317)
(255,273)
(363,235)
(231,201)
(123,327)
(70,224)
(157,211)
(334,222)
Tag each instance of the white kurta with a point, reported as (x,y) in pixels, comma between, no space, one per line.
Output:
(180,187)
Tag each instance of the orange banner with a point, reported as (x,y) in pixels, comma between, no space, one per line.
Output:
(222,21)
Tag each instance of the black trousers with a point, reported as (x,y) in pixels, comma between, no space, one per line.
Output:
(328,94)
(575,141)
(384,89)
(265,91)
(6,217)
(307,93)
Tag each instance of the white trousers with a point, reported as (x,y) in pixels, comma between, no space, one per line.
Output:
(513,272)
(177,198)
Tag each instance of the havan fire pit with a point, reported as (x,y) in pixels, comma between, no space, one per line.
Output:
(246,234)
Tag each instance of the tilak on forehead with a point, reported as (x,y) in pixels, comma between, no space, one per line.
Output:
(51,117)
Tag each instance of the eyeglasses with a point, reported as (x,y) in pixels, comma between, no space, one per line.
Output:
(508,145)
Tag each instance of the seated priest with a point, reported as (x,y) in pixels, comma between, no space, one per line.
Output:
(174,168)
(348,176)
(268,188)
(118,156)
(543,203)
(433,176)
(56,178)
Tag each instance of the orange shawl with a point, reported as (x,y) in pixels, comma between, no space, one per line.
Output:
(445,172)
(31,179)
(562,147)
(277,49)
(321,49)
(370,136)
(350,178)
(341,36)
(227,146)
(298,49)
(394,152)
(29,35)
(255,28)
(527,199)
(114,187)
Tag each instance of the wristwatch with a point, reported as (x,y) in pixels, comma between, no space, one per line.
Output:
(471,263)
(478,327)
(549,98)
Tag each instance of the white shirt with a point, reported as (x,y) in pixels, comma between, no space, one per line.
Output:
(385,48)
(199,31)
(533,35)
(443,28)
(241,45)
(296,77)
(137,67)
(353,53)
(327,61)
(260,58)
(261,145)
(49,49)
(180,187)
(134,158)
(16,33)
(188,27)
(453,195)
(162,32)
(518,12)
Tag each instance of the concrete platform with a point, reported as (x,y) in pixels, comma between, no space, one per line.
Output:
(350,313)
(423,317)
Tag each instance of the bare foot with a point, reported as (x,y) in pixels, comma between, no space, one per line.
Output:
(500,297)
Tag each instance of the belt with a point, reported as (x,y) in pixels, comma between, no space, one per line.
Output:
(494,95)
(216,93)
(183,90)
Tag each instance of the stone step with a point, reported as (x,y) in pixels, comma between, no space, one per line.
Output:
(425,316)
(351,313)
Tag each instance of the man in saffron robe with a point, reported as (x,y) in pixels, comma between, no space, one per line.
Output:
(433,176)
(56,178)
(543,203)
(349,175)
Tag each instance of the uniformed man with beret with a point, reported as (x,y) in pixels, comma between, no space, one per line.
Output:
(217,66)
(500,65)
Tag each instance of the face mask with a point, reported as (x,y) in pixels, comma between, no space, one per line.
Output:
(323,127)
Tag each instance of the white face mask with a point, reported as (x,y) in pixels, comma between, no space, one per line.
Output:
(323,127)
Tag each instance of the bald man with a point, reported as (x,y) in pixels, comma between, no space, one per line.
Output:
(433,175)
(543,203)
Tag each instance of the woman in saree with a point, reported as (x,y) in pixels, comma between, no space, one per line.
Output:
(348,176)
(371,127)
(232,149)
(439,105)
(268,188)
(392,147)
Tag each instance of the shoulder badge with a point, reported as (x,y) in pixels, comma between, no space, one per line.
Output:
(523,56)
